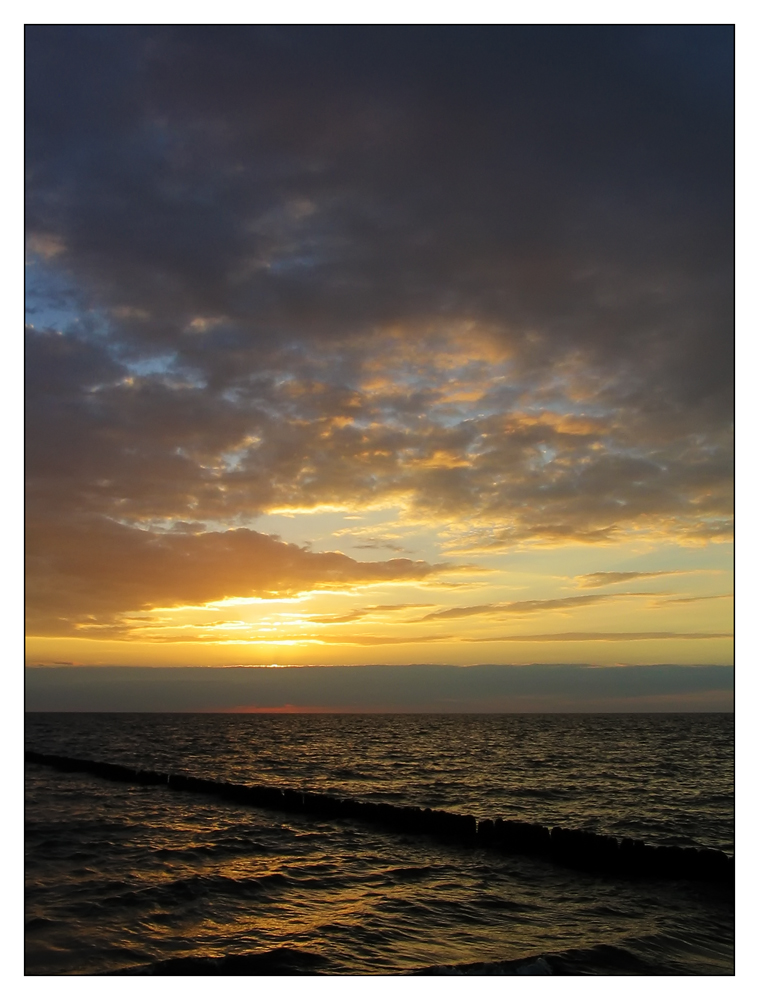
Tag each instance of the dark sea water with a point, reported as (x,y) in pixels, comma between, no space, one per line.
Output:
(122,878)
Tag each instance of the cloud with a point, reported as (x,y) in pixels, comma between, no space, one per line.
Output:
(382,687)
(340,639)
(87,574)
(600,636)
(373,542)
(604,579)
(692,600)
(280,176)
(357,614)
(482,275)
(152,446)
(504,609)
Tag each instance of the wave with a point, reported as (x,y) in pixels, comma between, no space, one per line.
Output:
(600,960)
(277,962)
(580,849)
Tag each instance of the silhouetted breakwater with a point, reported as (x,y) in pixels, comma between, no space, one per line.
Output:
(573,848)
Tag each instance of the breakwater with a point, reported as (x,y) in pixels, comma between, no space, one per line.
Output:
(579,849)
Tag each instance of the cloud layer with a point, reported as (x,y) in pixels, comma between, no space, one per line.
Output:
(480,275)
(420,688)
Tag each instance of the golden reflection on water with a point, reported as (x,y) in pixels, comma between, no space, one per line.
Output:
(120,876)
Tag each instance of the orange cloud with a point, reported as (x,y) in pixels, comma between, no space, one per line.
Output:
(89,572)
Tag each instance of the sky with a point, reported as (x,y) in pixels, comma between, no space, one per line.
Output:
(379,345)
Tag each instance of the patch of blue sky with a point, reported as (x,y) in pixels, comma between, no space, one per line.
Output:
(160,364)
(546,454)
(232,461)
(52,301)
(164,368)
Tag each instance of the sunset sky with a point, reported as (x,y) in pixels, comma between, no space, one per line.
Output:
(379,345)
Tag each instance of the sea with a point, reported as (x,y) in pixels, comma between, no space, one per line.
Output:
(126,879)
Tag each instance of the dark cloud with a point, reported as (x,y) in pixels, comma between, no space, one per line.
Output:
(567,182)
(263,260)
(488,688)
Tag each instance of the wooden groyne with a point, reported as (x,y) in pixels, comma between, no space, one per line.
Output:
(580,849)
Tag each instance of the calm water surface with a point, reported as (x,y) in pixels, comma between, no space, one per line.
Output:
(120,877)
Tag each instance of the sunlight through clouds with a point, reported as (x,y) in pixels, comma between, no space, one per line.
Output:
(372,380)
